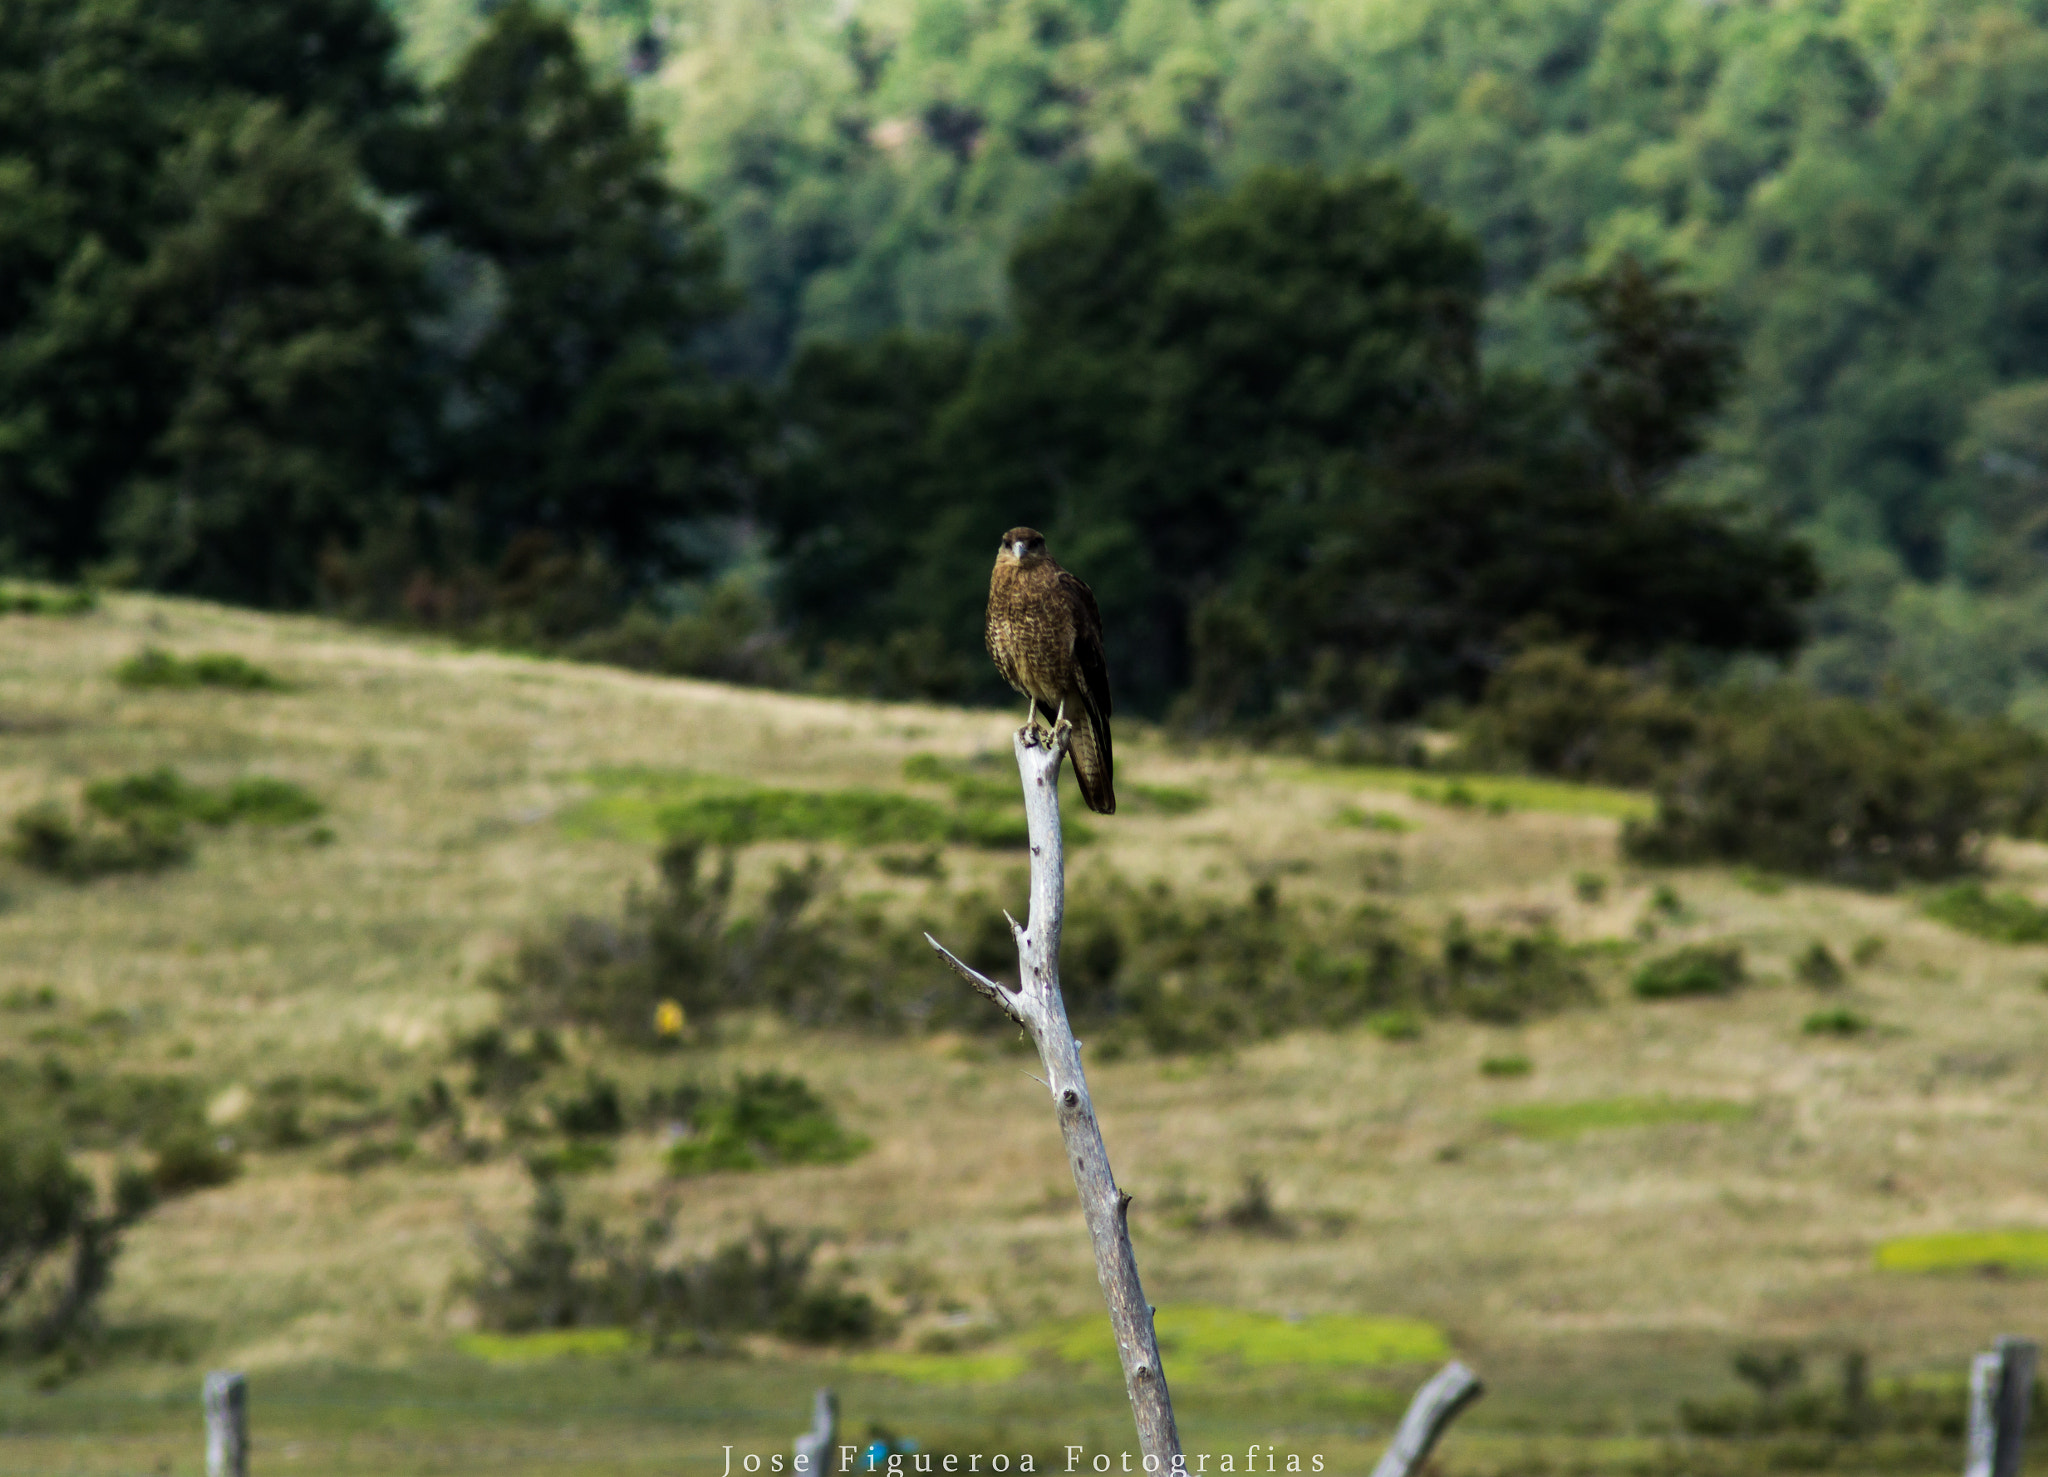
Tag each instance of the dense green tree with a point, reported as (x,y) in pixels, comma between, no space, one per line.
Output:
(106,110)
(276,315)
(1858,187)
(1258,424)
(576,410)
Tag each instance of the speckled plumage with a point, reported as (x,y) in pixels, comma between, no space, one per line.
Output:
(1045,636)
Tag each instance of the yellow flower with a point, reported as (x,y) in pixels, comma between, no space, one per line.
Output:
(668,1019)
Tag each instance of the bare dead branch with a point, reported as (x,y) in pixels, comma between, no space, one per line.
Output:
(1039,1008)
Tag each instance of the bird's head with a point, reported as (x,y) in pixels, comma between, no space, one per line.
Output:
(1025,546)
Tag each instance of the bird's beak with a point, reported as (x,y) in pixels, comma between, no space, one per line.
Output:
(1018,548)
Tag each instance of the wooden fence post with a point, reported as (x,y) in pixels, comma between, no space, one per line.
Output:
(227,1424)
(2001,1392)
(814,1447)
(1434,1407)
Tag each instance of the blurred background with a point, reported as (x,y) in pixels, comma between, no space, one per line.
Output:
(495,509)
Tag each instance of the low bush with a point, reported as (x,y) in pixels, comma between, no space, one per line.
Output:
(764,1121)
(2004,917)
(1395,1025)
(18,600)
(587,1276)
(47,838)
(1508,977)
(1697,969)
(503,1064)
(595,1112)
(1549,710)
(682,943)
(1819,967)
(137,823)
(1841,1021)
(1778,779)
(193,1159)
(152,667)
(1505,1066)
(1141,964)
(1856,1409)
(164,797)
(57,1246)
(1868,794)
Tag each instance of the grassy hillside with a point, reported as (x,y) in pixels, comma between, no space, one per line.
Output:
(1669,1181)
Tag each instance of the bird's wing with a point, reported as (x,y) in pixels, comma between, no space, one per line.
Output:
(1088,655)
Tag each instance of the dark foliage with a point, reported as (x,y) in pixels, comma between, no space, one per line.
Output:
(1697,969)
(152,667)
(1260,427)
(1551,710)
(49,839)
(1141,965)
(57,1246)
(1856,1409)
(765,1120)
(1864,794)
(559,1276)
(585,275)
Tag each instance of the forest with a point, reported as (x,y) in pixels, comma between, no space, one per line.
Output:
(1348,348)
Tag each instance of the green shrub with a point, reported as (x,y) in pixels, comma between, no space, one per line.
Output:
(596,1112)
(1140,963)
(1395,1025)
(1824,787)
(1841,1021)
(75,601)
(766,1120)
(262,801)
(1373,820)
(1855,1410)
(137,823)
(57,1247)
(1505,978)
(590,1277)
(1697,969)
(502,1064)
(152,667)
(577,1156)
(165,796)
(831,1316)
(49,839)
(1551,711)
(1506,1066)
(1819,968)
(2005,917)
(1589,887)
(729,634)
(192,1159)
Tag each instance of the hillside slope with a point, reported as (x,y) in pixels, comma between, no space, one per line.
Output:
(1544,1243)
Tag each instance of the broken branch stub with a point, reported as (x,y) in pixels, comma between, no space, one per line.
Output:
(1038,1007)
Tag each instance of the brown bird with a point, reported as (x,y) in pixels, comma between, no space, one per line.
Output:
(1045,635)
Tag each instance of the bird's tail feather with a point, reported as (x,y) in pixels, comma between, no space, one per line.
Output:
(1094,763)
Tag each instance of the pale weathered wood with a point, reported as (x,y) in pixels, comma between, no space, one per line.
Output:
(814,1447)
(1038,1007)
(2001,1391)
(227,1424)
(1434,1407)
